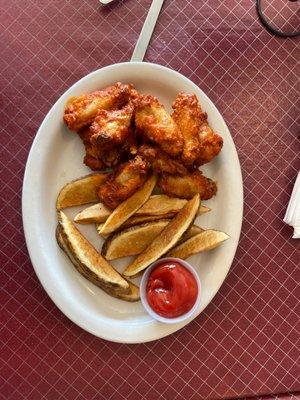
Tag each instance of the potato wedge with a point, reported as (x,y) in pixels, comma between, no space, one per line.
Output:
(138,220)
(97,213)
(89,262)
(80,191)
(161,204)
(154,208)
(204,241)
(132,241)
(141,219)
(132,295)
(126,209)
(168,237)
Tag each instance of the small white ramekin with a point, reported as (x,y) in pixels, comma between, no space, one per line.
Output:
(144,300)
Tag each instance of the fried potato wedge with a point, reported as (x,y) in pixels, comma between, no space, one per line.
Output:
(141,219)
(132,241)
(80,191)
(89,262)
(97,213)
(161,205)
(168,237)
(126,209)
(204,241)
(132,295)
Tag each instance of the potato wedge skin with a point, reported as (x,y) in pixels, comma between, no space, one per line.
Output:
(206,240)
(80,191)
(166,239)
(126,209)
(132,295)
(91,263)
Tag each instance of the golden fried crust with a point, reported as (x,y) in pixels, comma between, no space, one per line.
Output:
(161,161)
(122,183)
(111,128)
(157,125)
(201,144)
(81,110)
(94,163)
(187,186)
(210,144)
(188,116)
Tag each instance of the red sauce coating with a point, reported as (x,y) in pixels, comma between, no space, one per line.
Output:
(171,289)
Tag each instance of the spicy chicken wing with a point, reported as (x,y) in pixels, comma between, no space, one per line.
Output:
(188,116)
(210,143)
(160,161)
(187,186)
(157,125)
(81,110)
(122,183)
(201,144)
(111,128)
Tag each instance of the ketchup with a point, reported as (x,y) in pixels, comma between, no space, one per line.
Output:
(171,289)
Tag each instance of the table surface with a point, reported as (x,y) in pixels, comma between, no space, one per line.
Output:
(246,342)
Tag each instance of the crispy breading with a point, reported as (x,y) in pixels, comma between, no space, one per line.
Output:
(81,110)
(153,121)
(111,128)
(187,186)
(161,161)
(201,144)
(188,116)
(122,183)
(210,143)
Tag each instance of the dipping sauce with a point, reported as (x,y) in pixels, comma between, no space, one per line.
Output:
(171,289)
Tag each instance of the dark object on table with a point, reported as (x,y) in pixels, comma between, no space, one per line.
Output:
(271,28)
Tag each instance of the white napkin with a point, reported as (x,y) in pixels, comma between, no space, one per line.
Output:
(292,215)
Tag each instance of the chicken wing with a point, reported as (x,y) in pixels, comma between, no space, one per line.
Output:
(187,186)
(210,143)
(81,110)
(188,116)
(161,161)
(111,128)
(157,125)
(201,144)
(122,183)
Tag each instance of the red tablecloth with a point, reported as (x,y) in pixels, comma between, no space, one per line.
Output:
(247,340)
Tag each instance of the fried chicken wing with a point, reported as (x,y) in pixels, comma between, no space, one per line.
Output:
(96,164)
(188,116)
(81,110)
(122,183)
(201,144)
(111,128)
(210,143)
(187,186)
(157,125)
(161,161)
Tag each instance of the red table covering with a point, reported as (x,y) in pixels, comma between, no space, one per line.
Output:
(246,342)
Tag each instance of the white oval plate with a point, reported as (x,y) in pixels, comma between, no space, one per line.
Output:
(56,158)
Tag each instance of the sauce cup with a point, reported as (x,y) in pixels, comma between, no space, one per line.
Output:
(143,294)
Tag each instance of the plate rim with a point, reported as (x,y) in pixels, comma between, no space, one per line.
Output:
(57,299)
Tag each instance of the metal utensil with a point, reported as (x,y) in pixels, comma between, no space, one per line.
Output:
(147,30)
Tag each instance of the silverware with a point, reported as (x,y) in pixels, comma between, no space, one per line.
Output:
(147,30)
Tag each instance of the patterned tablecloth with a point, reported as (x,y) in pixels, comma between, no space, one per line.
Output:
(246,343)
